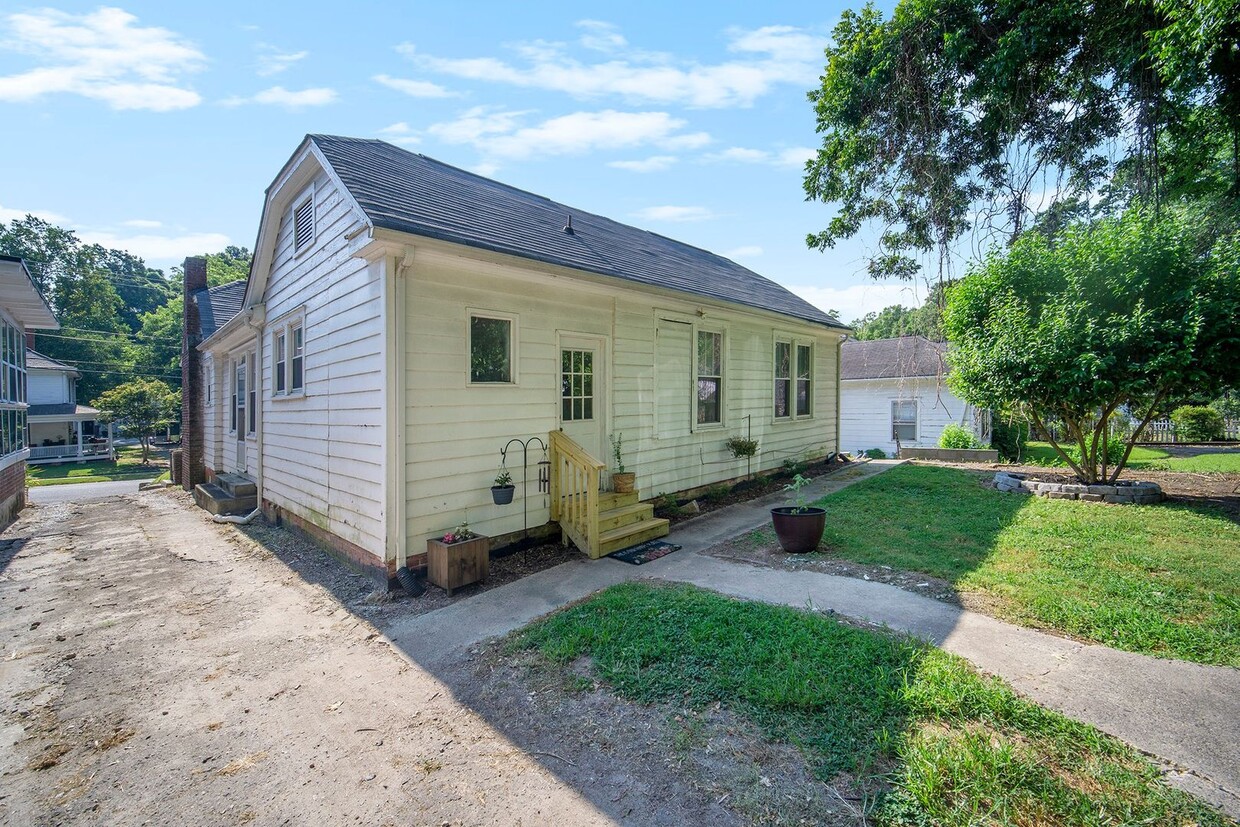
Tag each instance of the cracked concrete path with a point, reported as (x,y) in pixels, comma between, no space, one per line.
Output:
(1185,714)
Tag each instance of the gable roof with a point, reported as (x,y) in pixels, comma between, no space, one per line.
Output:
(21,297)
(218,305)
(37,361)
(407,192)
(901,358)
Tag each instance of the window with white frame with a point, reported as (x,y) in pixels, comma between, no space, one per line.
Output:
(238,396)
(297,378)
(491,349)
(783,380)
(303,223)
(279,352)
(904,420)
(252,399)
(794,379)
(288,357)
(805,370)
(709,397)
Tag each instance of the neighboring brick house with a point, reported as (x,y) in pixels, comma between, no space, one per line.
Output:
(22,308)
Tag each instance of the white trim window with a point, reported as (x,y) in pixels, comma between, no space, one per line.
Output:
(279,352)
(783,379)
(12,389)
(794,379)
(303,223)
(805,381)
(238,396)
(251,423)
(708,398)
(904,420)
(288,356)
(492,348)
(297,363)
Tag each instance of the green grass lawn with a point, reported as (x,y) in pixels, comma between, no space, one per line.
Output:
(127,467)
(1161,580)
(1151,459)
(919,728)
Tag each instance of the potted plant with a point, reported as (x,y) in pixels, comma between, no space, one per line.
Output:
(799,527)
(501,491)
(621,481)
(458,558)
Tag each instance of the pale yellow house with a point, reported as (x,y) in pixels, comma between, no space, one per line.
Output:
(404,320)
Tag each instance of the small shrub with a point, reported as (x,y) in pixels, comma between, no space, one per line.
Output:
(1113,451)
(791,467)
(716,493)
(958,437)
(741,447)
(876,453)
(667,505)
(1009,438)
(1197,423)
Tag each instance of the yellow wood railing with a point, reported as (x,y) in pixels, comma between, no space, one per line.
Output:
(574,492)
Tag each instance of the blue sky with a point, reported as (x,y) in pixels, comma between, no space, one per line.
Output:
(155,127)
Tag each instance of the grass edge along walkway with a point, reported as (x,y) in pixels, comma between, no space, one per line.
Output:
(927,738)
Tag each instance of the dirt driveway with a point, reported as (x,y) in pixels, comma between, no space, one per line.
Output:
(161,669)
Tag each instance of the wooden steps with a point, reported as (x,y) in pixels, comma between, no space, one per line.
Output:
(624,521)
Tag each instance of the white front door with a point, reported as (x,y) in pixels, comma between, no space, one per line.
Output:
(583,393)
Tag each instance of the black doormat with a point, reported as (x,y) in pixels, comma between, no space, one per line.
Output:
(645,552)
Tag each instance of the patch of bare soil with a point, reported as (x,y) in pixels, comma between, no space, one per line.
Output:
(707,766)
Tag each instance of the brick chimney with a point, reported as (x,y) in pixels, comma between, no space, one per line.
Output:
(192,414)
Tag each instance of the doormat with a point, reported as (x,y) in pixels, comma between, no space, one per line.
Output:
(645,552)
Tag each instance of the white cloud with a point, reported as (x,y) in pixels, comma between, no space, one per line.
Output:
(414,88)
(600,36)
(501,135)
(158,250)
(400,133)
(287,98)
(766,57)
(104,56)
(143,224)
(655,163)
(791,157)
(674,214)
(856,300)
(273,61)
(750,251)
(7,214)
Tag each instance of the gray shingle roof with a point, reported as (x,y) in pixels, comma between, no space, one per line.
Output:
(407,192)
(901,358)
(37,360)
(218,305)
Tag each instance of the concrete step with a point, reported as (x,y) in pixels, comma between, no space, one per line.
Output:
(631,535)
(236,485)
(217,500)
(607,500)
(624,515)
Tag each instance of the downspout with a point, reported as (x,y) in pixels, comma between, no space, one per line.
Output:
(838,347)
(394,279)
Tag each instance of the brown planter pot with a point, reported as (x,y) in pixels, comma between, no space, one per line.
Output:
(450,566)
(623,483)
(799,532)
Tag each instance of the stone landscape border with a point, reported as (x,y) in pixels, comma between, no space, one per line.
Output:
(1122,492)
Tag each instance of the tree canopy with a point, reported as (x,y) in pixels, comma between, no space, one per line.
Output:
(141,406)
(1122,317)
(897,320)
(971,118)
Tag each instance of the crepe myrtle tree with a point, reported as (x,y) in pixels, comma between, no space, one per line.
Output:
(1123,316)
(142,407)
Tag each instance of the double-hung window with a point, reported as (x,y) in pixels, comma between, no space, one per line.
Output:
(794,379)
(904,420)
(297,381)
(288,357)
(709,378)
(783,380)
(281,359)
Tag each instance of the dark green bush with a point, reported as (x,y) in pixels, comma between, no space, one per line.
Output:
(1009,437)
(1197,423)
(876,453)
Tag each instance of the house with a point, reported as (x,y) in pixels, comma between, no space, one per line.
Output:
(893,393)
(404,320)
(22,308)
(61,430)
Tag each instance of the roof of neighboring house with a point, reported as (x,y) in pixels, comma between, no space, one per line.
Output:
(901,358)
(61,409)
(407,192)
(218,305)
(37,361)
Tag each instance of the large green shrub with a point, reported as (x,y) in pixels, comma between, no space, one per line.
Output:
(1008,437)
(1197,423)
(958,437)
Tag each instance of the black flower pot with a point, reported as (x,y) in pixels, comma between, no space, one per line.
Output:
(799,529)
(502,494)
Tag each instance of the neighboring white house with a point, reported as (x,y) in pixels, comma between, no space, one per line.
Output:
(404,320)
(61,430)
(22,308)
(893,393)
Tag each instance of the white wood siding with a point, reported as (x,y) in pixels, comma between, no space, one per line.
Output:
(865,412)
(454,431)
(45,387)
(323,450)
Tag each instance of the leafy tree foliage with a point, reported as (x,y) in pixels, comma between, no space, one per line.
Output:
(1130,313)
(897,320)
(92,336)
(142,407)
(965,116)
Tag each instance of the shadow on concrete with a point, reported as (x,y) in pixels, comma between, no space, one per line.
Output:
(9,549)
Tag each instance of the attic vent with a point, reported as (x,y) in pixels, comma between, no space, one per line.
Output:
(303,224)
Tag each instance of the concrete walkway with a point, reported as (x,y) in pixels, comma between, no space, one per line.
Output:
(1183,713)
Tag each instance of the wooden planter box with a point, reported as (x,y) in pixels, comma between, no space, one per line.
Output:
(459,564)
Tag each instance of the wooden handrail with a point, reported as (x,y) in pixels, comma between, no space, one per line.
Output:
(575,477)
